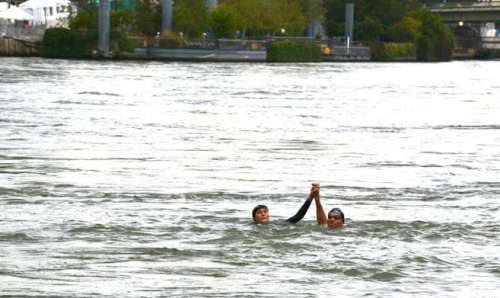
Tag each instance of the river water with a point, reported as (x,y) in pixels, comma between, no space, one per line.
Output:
(137,179)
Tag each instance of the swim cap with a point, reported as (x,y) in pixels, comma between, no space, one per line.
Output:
(257,209)
(339,212)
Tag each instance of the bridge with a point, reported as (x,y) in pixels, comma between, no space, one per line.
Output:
(473,24)
(467,11)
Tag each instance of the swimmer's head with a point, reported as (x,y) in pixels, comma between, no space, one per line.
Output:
(335,218)
(260,214)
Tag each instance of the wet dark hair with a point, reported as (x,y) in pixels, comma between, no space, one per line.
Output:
(257,209)
(338,211)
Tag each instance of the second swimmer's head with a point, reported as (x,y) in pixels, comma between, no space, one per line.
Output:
(260,214)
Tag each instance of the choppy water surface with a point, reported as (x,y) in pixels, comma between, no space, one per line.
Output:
(137,179)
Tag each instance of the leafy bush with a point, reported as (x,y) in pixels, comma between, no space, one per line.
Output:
(293,51)
(392,51)
(122,41)
(400,50)
(65,43)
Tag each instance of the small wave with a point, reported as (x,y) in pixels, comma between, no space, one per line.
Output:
(14,237)
(377,129)
(415,231)
(464,127)
(107,230)
(398,164)
(99,93)
(386,276)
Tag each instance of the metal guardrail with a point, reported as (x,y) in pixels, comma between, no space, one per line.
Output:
(208,44)
(332,49)
(355,48)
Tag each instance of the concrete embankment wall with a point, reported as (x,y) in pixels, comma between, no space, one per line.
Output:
(15,47)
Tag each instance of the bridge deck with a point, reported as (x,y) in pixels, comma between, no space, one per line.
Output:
(468,11)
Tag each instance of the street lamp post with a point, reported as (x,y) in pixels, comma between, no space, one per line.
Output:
(349,19)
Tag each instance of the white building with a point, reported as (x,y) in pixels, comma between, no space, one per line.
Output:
(49,13)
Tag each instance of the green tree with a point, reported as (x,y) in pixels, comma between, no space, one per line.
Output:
(384,12)
(147,17)
(369,29)
(191,17)
(261,17)
(224,20)
(313,10)
(251,13)
(84,20)
(405,30)
(435,41)
(286,14)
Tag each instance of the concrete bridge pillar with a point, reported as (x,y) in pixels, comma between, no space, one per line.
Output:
(349,19)
(103,23)
(166,15)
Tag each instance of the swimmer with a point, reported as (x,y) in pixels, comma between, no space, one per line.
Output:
(335,219)
(260,213)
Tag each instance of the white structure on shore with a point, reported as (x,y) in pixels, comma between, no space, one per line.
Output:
(49,13)
(4,6)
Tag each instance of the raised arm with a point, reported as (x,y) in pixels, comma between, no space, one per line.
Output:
(320,213)
(303,209)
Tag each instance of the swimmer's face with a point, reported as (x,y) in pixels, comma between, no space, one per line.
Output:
(334,221)
(262,216)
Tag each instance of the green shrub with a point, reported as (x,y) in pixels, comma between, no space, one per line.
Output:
(121,39)
(400,50)
(392,51)
(64,43)
(293,51)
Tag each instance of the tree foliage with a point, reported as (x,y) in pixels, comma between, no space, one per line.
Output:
(191,17)
(405,30)
(262,17)
(147,18)
(144,19)
(434,41)
(224,21)
(381,13)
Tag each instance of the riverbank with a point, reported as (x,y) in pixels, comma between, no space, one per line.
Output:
(17,47)
(10,46)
